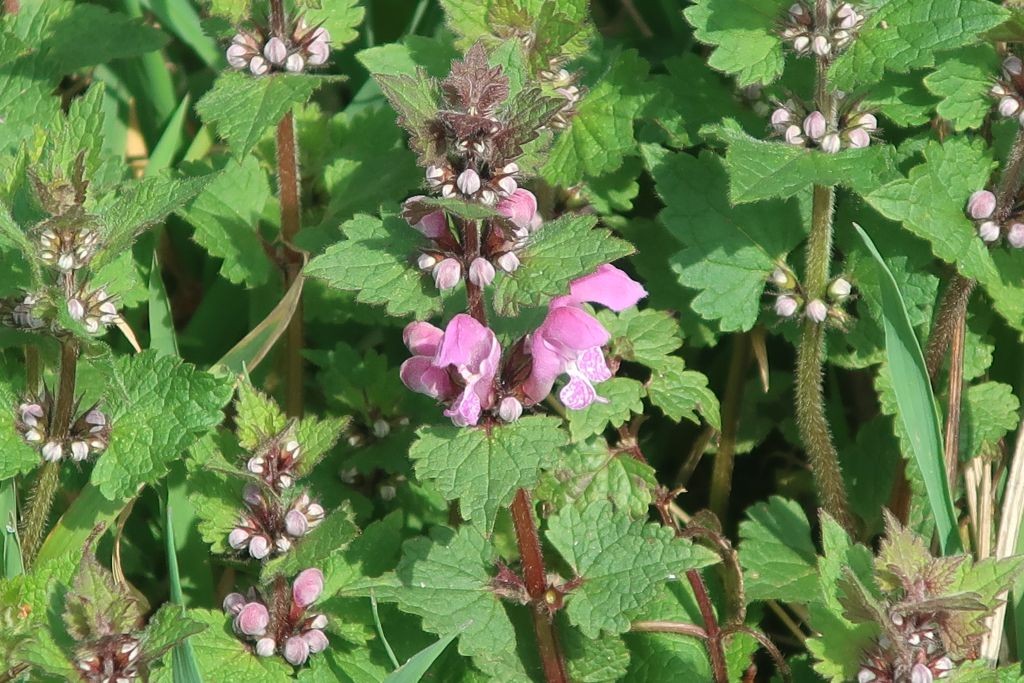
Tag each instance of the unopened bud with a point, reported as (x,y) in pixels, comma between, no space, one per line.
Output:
(839,289)
(282,544)
(388,492)
(830,144)
(53,451)
(981,205)
(508,262)
(238,56)
(817,311)
(781,118)
(265,647)
(238,538)
(252,619)
(998,90)
(468,182)
(258,65)
(296,524)
(447,274)
(1009,106)
(314,514)
(508,185)
(233,603)
(255,465)
(1015,235)
(988,231)
(284,480)
(510,169)
(79,451)
(481,272)
(276,51)
(296,651)
(794,135)
(295,63)
(866,121)
(510,409)
(801,43)
(866,676)
(858,138)
(435,175)
(821,46)
(317,53)
(259,547)
(785,306)
(252,496)
(1013,66)
(381,428)
(920,673)
(782,279)
(316,639)
(814,125)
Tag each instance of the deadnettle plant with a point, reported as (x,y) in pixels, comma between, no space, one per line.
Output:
(263,50)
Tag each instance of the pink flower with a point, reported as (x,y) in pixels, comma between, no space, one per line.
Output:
(252,619)
(307,587)
(465,347)
(569,340)
(432,225)
(521,208)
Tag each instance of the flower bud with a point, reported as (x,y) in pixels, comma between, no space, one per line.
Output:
(296,524)
(510,409)
(821,46)
(252,496)
(508,262)
(781,118)
(447,274)
(381,428)
(785,306)
(275,51)
(388,492)
(998,90)
(307,587)
(233,603)
(830,144)
(282,544)
(317,53)
(468,182)
(508,185)
(839,289)
(316,639)
(782,279)
(53,451)
(794,135)
(448,190)
(847,16)
(238,56)
(866,121)
(817,311)
(797,11)
(433,225)
(256,465)
(858,138)
(265,647)
(481,272)
(989,231)
(284,480)
(943,664)
(259,546)
(1015,235)
(920,673)
(801,43)
(314,514)
(814,125)
(981,205)
(1009,106)
(1013,66)
(435,175)
(296,651)
(318,622)
(33,436)
(295,63)
(252,619)
(426,262)
(258,65)
(866,676)
(79,451)
(238,538)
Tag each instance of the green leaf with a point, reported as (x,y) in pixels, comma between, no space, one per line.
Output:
(158,407)
(340,17)
(242,107)
(777,553)
(375,261)
(990,411)
(449,586)
(622,562)
(906,34)
(97,605)
(762,170)
(963,81)
(329,538)
(232,10)
(682,393)
(592,471)
(415,98)
(226,217)
(930,203)
(561,251)
(259,417)
(483,468)
(624,397)
(917,408)
(16,456)
(642,336)
(412,52)
(601,132)
(91,34)
(170,626)
(744,35)
(730,251)
(416,666)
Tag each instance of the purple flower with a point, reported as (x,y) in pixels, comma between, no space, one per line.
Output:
(252,619)
(521,208)
(419,372)
(432,225)
(316,639)
(447,274)
(307,587)
(569,340)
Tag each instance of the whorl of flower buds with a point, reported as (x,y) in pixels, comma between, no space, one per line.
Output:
(111,659)
(67,245)
(789,121)
(790,297)
(88,435)
(305,47)
(801,30)
(1008,92)
(982,210)
(565,84)
(916,654)
(25,313)
(288,629)
(94,309)
(269,527)
(275,462)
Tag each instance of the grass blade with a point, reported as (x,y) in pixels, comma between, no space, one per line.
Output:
(184,668)
(182,19)
(916,408)
(10,545)
(414,669)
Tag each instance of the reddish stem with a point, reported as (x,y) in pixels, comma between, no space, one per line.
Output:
(470,251)
(291,211)
(536,586)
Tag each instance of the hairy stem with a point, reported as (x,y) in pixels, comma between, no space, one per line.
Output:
(471,250)
(669,627)
(535,576)
(291,207)
(41,498)
(721,475)
(952,308)
(956,385)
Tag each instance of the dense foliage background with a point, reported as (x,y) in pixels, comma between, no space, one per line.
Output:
(211,469)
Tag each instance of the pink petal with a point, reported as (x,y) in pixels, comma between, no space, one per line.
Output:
(465,411)
(465,341)
(421,375)
(574,329)
(593,366)
(578,394)
(609,287)
(252,619)
(547,366)
(307,587)
(520,207)
(422,338)
(433,225)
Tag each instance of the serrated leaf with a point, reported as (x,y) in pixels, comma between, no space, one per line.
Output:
(98,606)
(242,107)
(330,537)
(16,456)
(592,471)
(601,132)
(645,337)
(375,261)
(682,393)
(906,34)
(226,217)
(777,553)
(763,170)
(415,98)
(483,468)
(169,626)
(744,35)
(562,250)
(730,251)
(622,563)
(963,81)
(259,417)
(448,584)
(930,203)
(340,17)
(91,34)
(158,406)
(214,492)
(404,57)
(623,397)
(316,437)
(990,411)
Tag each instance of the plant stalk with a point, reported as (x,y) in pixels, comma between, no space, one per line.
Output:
(535,575)
(41,499)
(956,385)
(721,475)
(291,208)
(471,250)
